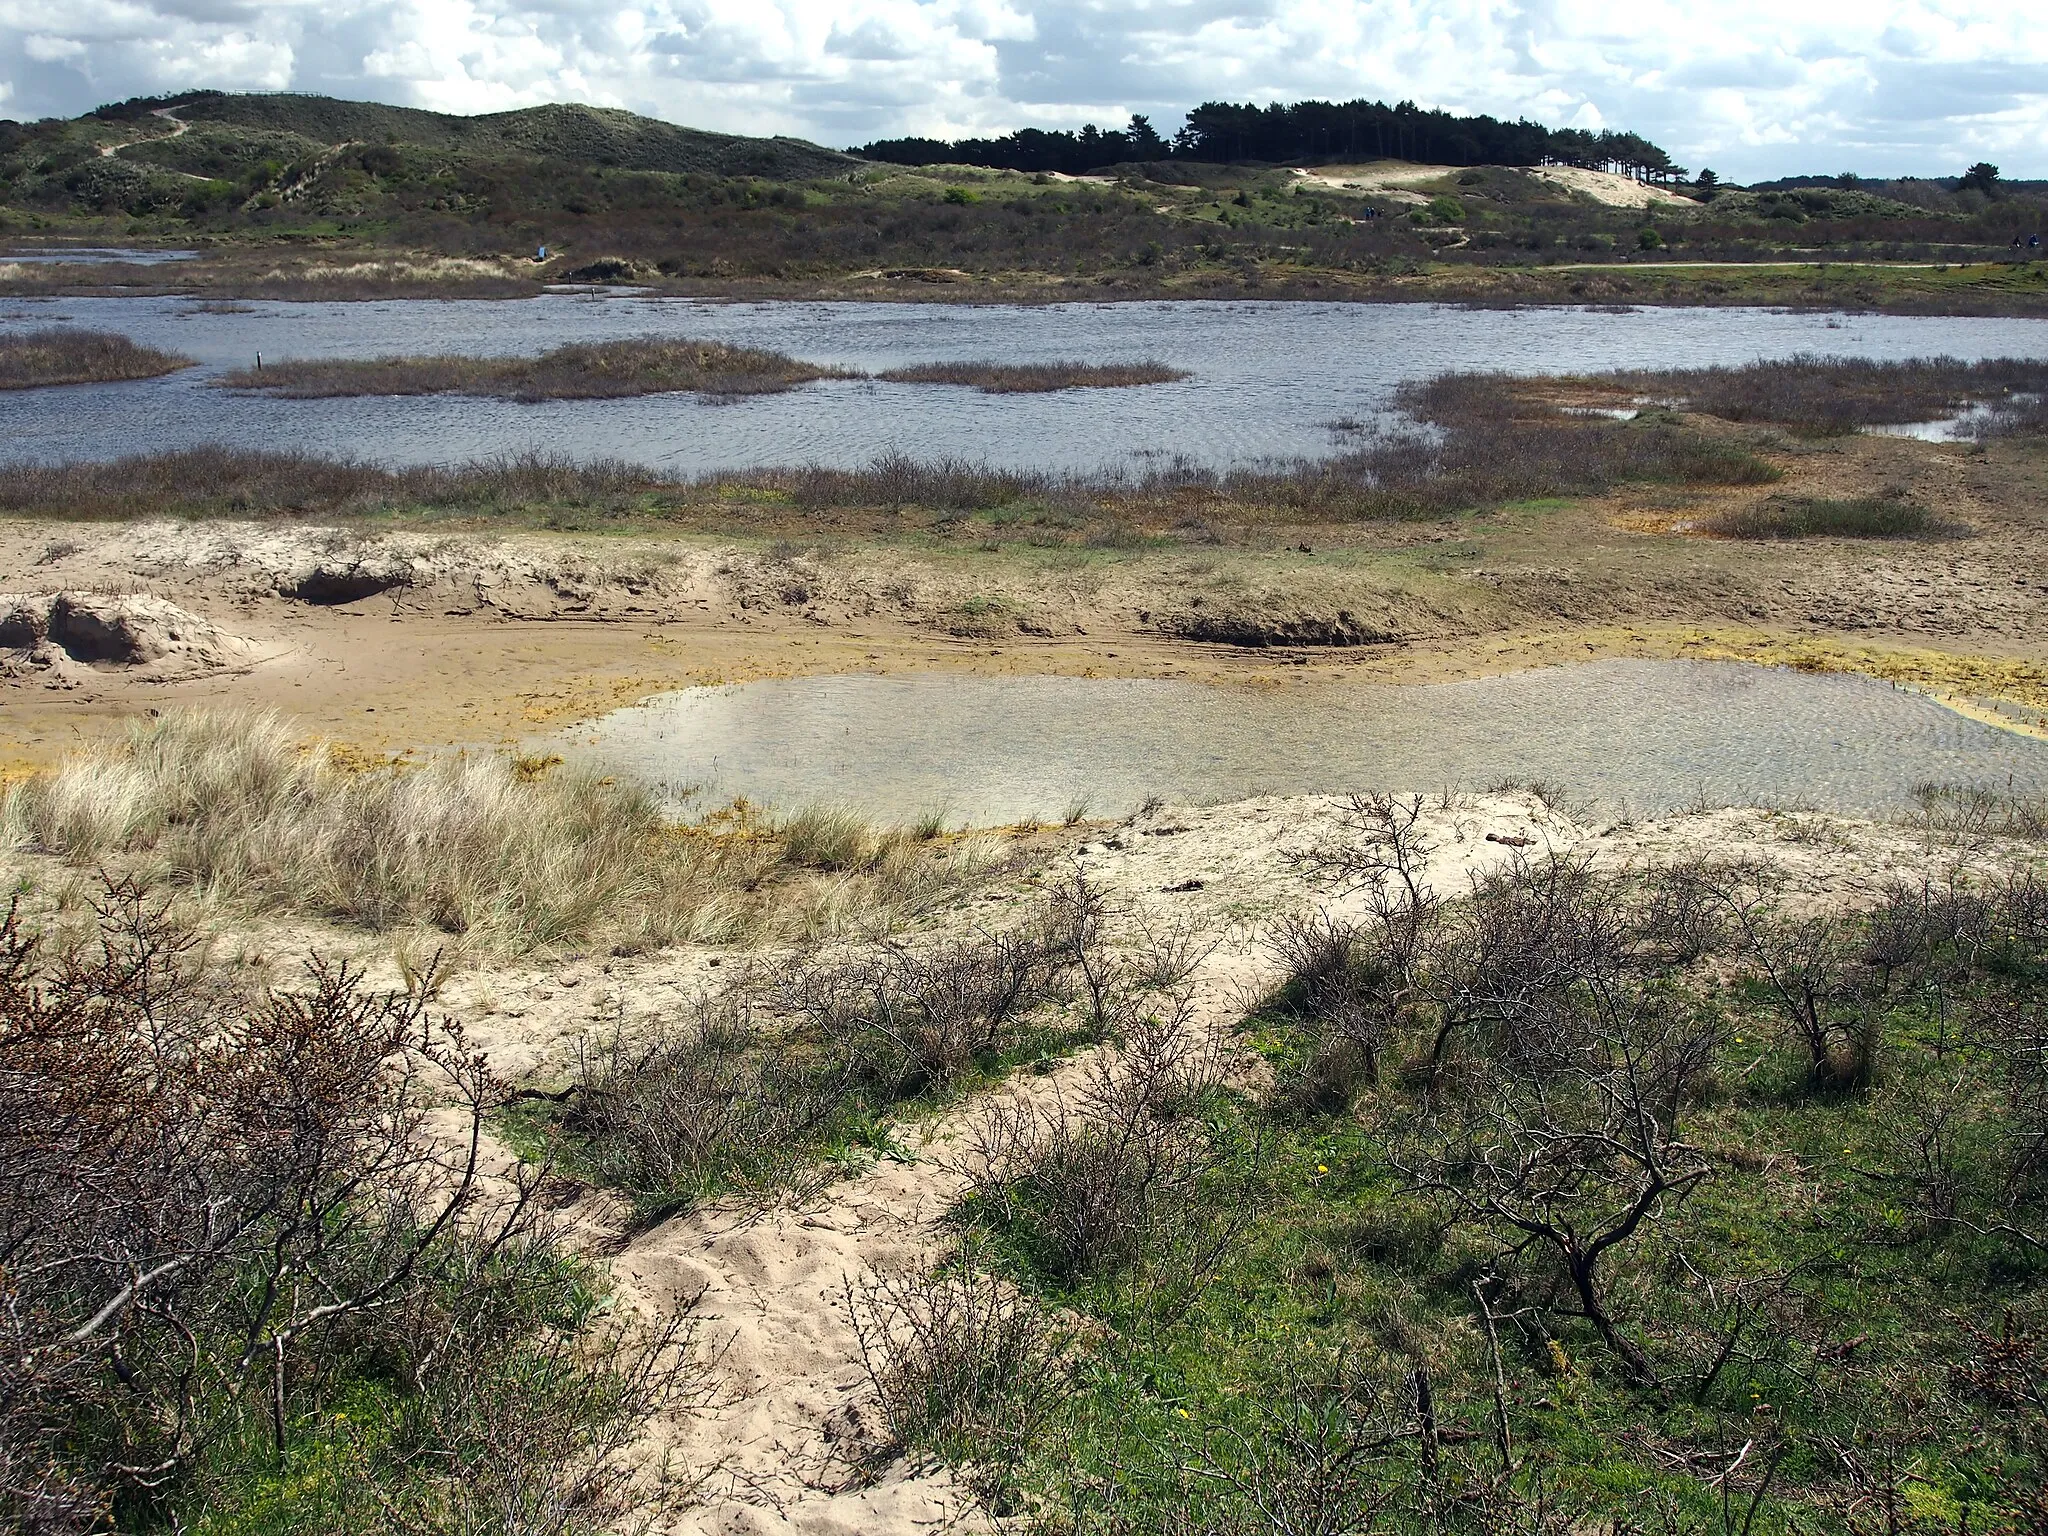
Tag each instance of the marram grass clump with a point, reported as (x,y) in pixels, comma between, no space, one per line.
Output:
(235,808)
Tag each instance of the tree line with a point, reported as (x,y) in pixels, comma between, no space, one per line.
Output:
(1307,131)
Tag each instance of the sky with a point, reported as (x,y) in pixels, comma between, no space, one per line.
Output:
(1753,88)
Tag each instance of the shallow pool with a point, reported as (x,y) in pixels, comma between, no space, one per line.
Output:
(1641,735)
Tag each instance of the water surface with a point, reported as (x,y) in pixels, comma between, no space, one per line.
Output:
(1643,735)
(1265,378)
(97,255)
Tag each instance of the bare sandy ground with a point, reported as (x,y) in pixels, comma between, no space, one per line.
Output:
(1606,187)
(1398,180)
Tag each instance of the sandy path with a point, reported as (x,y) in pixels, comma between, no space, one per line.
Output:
(796,1426)
(771,1285)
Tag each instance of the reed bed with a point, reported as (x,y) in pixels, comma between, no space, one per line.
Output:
(218,481)
(1035,378)
(235,809)
(596,371)
(1833,396)
(59,355)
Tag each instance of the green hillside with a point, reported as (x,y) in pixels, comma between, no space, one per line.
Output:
(586,136)
(217,160)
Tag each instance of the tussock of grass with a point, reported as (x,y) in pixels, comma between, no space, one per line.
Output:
(236,809)
(1861,517)
(594,371)
(1035,378)
(58,355)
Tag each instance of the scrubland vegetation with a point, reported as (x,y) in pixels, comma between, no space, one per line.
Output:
(247,1289)
(59,355)
(1666,1200)
(1656,1202)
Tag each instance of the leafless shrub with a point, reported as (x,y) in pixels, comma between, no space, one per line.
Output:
(212,1203)
(534,1442)
(1969,812)
(1340,979)
(1572,1162)
(709,1100)
(916,1019)
(1331,1459)
(1680,916)
(1806,967)
(963,1365)
(904,1018)
(1167,954)
(1121,1171)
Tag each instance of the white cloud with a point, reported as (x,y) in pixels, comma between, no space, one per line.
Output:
(1753,87)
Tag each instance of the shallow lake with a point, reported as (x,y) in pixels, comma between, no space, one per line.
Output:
(1266,378)
(1642,735)
(96,255)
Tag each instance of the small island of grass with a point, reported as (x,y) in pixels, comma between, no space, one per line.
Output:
(594,371)
(648,366)
(1035,378)
(57,355)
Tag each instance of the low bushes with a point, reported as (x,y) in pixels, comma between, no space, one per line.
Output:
(1665,1190)
(750,1085)
(1862,517)
(254,1275)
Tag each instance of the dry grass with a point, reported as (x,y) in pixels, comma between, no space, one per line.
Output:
(57,355)
(597,371)
(1035,378)
(236,809)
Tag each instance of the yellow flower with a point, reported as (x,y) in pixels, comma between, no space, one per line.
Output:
(1182,1412)
(1322,1167)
